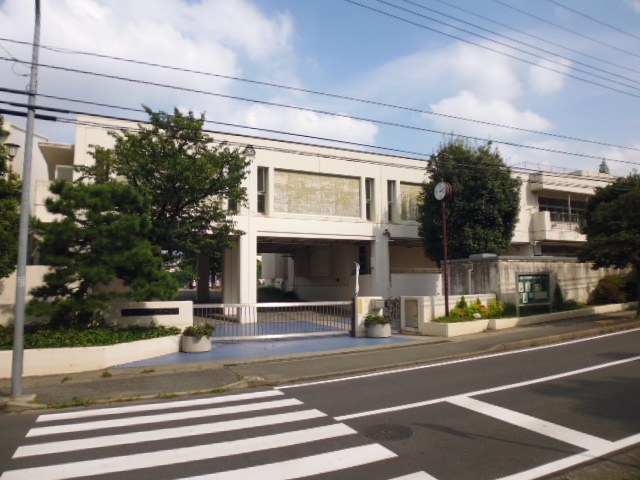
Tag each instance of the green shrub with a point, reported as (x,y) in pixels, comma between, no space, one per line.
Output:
(610,289)
(199,331)
(462,303)
(47,336)
(373,319)
(475,308)
(496,308)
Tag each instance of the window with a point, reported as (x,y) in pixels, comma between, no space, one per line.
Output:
(391,199)
(262,189)
(364,256)
(368,199)
(563,210)
(409,197)
(232,206)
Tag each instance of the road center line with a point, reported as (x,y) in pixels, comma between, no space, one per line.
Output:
(488,390)
(453,362)
(566,435)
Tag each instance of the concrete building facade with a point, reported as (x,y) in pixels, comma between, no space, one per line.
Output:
(313,212)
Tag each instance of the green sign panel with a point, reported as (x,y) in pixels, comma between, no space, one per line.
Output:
(534,289)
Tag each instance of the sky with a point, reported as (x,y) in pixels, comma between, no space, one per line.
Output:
(397,76)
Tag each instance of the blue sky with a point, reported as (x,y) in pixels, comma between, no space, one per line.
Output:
(341,48)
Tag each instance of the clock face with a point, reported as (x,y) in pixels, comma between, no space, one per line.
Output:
(441,190)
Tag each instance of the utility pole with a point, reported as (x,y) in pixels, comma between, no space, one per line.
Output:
(17,366)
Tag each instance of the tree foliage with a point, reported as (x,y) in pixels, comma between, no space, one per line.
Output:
(483,211)
(612,226)
(185,175)
(10,193)
(99,237)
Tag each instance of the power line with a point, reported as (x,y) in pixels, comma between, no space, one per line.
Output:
(566,29)
(512,40)
(521,170)
(498,51)
(331,95)
(582,14)
(58,110)
(537,37)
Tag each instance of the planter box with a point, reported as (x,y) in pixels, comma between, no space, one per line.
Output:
(195,345)
(454,329)
(379,331)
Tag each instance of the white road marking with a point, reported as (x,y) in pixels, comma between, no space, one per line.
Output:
(167,417)
(178,455)
(453,362)
(566,435)
(156,406)
(164,434)
(487,390)
(415,476)
(307,466)
(572,461)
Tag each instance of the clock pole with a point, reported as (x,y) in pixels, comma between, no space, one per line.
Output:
(443,192)
(446,258)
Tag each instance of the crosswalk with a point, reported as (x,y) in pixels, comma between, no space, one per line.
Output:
(263,435)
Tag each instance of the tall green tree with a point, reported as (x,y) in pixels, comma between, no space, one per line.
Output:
(483,212)
(10,193)
(100,236)
(612,226)
(185,175)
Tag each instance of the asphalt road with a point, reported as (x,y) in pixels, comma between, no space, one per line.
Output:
(515,415)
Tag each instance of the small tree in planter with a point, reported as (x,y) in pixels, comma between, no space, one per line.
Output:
(197,338)
(377,326)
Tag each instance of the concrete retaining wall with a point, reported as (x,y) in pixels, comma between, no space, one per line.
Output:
(54,361)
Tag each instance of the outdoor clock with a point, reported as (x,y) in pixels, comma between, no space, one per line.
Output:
(442,191)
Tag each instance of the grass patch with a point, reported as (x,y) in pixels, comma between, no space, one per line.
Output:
(76,402)
(106,374)
(45,336)
(167,395)
(148,370)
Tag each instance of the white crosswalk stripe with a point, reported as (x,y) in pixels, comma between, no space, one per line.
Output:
(226,444)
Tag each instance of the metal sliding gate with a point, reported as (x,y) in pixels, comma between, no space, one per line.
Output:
(275,319)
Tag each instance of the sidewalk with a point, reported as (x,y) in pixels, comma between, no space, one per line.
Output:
(162,381)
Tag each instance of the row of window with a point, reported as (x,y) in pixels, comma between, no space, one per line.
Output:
(332,195)
(563,210)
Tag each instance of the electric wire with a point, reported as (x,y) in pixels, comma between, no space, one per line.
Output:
(582,14)
(382,12)
(513,40)
(566,29)
(331,95)
(341,97)
(499,43)
(381,122)
(541,39)
(514,169)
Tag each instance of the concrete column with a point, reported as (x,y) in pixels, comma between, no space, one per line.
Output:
(380,276)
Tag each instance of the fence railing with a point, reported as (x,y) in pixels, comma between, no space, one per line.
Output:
(275,319)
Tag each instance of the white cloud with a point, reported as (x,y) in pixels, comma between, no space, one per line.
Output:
(226,37)
(544,81)
(310,123)
(635,4)
(498,111)
(430,74)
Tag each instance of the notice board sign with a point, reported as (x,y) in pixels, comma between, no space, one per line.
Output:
(533,289)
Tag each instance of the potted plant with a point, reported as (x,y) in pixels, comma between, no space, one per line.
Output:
(197,338)
(378,326)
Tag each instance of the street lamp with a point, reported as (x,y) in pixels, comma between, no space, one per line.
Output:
(12,150)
